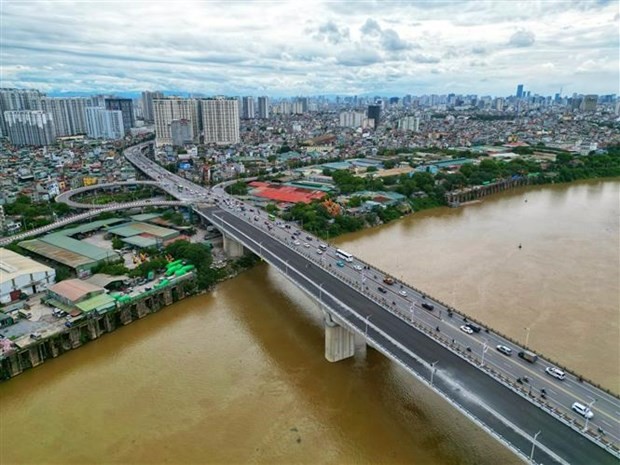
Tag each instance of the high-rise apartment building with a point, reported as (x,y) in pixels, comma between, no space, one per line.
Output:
(263,107)
(220,120)
(374,113)
(17,99)
(104,124)
(69,114)
(30,127)
(247,108)
(589,103)
(147,104)
(353,119)
(166,110)
(124,105)
(409,123)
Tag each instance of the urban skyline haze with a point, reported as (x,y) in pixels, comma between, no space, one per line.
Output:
(311,48)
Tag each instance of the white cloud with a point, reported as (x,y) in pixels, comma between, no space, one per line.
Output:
(288,48)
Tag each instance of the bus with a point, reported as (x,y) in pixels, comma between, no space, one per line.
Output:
(344,255)
(272,217)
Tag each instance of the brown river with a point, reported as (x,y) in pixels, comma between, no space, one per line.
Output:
(238,376)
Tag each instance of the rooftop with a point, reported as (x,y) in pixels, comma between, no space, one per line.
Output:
(13,265)
(74,289)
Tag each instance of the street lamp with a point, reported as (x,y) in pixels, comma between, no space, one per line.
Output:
(433,370)
(533,446)
(485,347)
(527,335)
(366,331)
(585,428)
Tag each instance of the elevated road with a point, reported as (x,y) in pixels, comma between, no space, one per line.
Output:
(511,417)
(66,197)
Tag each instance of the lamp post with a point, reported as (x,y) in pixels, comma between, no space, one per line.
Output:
(527,335)
(585,428)
(533,446)
(433,370)
(366,331)
(485,347)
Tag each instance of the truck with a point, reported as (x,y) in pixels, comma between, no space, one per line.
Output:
(529,356)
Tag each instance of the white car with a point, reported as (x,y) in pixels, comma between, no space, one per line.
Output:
(297,243)
(467,329)
(403,293)
(555,372)
(504,350)
(358,267)
(306,245)
(582,410)
(319,252)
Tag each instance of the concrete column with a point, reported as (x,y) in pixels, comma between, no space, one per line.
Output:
(232,248)
(125,315)
(35,359)
(142,309)
(74,336)
(15,368)
(53,348)
(339,341)
(108,323)
(93,329)
(168,297)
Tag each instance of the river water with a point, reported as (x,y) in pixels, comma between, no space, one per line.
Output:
(238,376)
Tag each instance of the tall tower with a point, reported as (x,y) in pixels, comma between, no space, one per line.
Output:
(167,110)
(520,91)
(247,108)
(263,107)
(220,120)
(147,104)
(30,127)
(125,105)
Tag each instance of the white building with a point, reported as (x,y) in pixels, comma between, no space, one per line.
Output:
(19,274)
(409,123)
(17,99)
(69,114)
(220,120)
(104,124)
(167,110)
(353,119)
(30,127)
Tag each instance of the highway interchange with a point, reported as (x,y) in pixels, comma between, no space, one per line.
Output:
(416,330)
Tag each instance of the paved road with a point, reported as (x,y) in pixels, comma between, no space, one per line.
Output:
(65,197)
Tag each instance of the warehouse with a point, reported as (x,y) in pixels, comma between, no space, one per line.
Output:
(22,275)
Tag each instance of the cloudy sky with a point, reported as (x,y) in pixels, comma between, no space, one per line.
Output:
(307,47)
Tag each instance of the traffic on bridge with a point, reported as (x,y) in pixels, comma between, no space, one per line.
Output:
(541,412)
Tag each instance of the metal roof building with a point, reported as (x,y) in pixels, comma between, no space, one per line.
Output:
(19,274)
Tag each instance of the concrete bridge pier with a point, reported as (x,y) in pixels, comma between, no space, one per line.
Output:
(339,341)
(232,248)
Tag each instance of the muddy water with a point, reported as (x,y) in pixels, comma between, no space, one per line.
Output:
(238,376)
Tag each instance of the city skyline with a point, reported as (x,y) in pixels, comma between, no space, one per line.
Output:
(328,48)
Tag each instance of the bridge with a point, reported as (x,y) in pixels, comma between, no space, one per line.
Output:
(515,401)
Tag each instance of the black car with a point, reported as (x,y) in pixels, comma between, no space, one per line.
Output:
(474,328)
(428,306)
(381,290)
